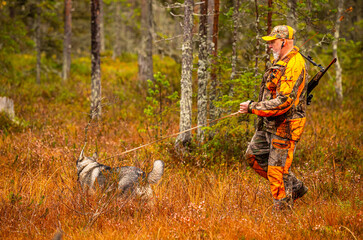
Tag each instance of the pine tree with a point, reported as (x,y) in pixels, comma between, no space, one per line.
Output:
(96,60)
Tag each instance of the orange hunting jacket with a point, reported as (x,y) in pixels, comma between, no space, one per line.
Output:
(282,99)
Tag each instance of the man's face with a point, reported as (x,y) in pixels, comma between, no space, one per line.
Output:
(275,45)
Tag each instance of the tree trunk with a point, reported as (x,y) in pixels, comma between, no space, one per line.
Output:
(38,44)
(117,30)
(96,62)
(291,13)
(7,106)
(210,24)
(67,39)
(186,76)
(338,68)
(102,27)
(213,93)
(235,18)
(268,31)
(203,69)
(257,27)
(145,58)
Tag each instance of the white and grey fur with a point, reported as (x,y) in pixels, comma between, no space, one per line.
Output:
(90,173)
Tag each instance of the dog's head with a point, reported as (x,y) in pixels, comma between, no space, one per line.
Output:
(84,161)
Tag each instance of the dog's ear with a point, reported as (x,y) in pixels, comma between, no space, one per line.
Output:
(95,156)
(81,156)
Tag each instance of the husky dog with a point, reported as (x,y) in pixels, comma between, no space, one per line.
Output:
(127,179)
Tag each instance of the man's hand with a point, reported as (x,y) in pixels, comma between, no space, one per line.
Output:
(243,107)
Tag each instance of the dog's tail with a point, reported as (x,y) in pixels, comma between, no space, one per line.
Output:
(155,175)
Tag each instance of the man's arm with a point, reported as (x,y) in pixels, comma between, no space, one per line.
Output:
(290,87)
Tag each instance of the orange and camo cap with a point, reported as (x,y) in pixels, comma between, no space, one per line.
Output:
(280,32)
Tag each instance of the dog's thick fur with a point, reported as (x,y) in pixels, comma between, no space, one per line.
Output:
(127,179)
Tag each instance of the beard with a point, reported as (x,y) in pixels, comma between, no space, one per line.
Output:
(276,54)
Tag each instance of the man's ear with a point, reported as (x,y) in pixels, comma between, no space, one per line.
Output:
(95,156)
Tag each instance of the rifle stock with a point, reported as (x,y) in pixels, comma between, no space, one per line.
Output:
(315,80)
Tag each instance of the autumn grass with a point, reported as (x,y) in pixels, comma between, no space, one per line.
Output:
(39,193)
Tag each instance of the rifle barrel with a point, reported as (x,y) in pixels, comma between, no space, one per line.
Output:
(310,59)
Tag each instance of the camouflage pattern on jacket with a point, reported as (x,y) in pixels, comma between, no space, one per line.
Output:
(282,99)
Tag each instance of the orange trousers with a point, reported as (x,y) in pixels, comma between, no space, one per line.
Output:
(271,157)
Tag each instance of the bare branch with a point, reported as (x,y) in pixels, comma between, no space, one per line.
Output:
(172,14)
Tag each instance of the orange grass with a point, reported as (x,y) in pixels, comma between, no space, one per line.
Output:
(39,193)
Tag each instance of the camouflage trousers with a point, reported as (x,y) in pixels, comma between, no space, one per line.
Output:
(271,157)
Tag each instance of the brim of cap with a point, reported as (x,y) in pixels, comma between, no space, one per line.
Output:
(269,38)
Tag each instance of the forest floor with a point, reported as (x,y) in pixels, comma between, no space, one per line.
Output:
(40,195)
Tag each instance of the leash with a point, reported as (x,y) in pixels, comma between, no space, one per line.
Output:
(171,135)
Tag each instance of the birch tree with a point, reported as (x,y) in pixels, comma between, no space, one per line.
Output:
(67,39)
(213,93)
(96,62)
(145,58)
(202,69)
(338,68)
(186,76)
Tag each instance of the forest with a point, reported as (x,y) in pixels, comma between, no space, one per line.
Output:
(129,82)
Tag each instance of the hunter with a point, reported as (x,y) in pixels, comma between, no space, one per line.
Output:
(281,118)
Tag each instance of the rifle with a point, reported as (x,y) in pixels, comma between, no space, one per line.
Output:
(315,80)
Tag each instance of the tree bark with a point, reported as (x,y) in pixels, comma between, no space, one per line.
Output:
(210,24)
(7,106)
(102,27)
(96,61)
(145,59)
(213,93)
(291,13)
(38,44)
(203,69)
(257,27)
(268,31)
(117,30)
(186,76)
(235,19)
(67,39)
(338,68)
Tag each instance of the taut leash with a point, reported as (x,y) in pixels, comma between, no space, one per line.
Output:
(172,135)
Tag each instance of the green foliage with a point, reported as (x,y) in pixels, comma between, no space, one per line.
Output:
(228,137)
(229,142)
(161,101)
(231,134)
(350,54)
(8,125)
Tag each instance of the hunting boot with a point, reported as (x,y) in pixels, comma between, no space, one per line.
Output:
(283,204)
(300,193)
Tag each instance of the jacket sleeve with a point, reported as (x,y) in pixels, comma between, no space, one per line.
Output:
(288,91)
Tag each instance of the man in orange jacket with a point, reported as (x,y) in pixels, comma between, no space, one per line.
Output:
(281,117)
